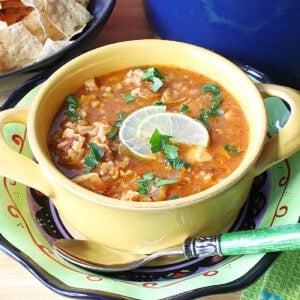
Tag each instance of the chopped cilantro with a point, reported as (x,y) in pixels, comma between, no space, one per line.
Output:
(184,108)
(154,75)
(160,182)
(113,132)
(232,149)
(211,88)
(157,84)
(129,98)
(144,183)
(121,117)
(152,72)
(96,153)
(158,141)
(158,103)
(178,163)
(170,151)
(161,142)
(215,109)
(72,107)
(117,125)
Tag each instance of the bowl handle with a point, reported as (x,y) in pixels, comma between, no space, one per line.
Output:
(16,166)
(287,141)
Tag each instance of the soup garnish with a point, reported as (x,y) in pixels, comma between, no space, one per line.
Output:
(149,134)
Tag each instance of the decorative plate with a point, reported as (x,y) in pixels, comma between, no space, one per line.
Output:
(29,223)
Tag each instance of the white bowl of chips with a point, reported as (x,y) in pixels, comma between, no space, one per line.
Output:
(35,34)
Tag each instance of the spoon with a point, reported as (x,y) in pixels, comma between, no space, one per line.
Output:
(96,257)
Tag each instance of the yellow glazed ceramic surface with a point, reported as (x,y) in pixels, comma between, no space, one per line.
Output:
(147,227)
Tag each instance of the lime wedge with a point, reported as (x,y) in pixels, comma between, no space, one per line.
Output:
(139,126)
(127,134)
(181,128)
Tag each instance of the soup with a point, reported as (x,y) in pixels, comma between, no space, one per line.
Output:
(86,144)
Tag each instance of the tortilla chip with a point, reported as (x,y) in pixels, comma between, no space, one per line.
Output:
(43,20)
(13,11)
(84,3)
(11,3)
(18,47)
(31,30)
(34,24)
(68,17)
(32,3)
(51,47)
(3,55)
(3,24)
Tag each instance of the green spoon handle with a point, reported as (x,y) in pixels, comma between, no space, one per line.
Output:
(270,239)
(263,240)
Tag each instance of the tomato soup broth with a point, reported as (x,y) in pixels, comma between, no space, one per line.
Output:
(85,144)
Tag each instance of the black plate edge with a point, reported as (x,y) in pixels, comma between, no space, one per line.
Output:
(28,85)
(61,288)
(47,279)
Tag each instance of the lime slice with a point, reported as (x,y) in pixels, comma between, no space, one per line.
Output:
(181,128)
(139,126)
(127,134)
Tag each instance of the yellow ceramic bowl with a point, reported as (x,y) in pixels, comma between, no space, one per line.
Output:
(147,227)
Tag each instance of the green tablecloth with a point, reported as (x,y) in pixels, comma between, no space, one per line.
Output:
(280,282)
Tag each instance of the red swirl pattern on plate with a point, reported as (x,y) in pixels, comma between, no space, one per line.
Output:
(282,210)
(13,210)
(19,140)
(180,270)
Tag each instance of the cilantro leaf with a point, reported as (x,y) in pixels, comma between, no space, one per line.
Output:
(96,153)
(113,132)
(184,108)
(160,182)
(170,151)
(211,88)
(215,109)
(129,98)
(161,142)
(158,141)
(157,84)
(121,117)
(178,163)
(208,113)
(152,72)
(143,184)
(157,103)
(232,149)
(154,75)
(72,107)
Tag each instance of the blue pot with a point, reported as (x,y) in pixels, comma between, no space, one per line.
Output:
(262,33)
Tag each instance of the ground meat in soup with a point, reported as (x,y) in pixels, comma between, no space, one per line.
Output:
(85,145)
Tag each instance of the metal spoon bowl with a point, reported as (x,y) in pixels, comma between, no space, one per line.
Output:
(96,257)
